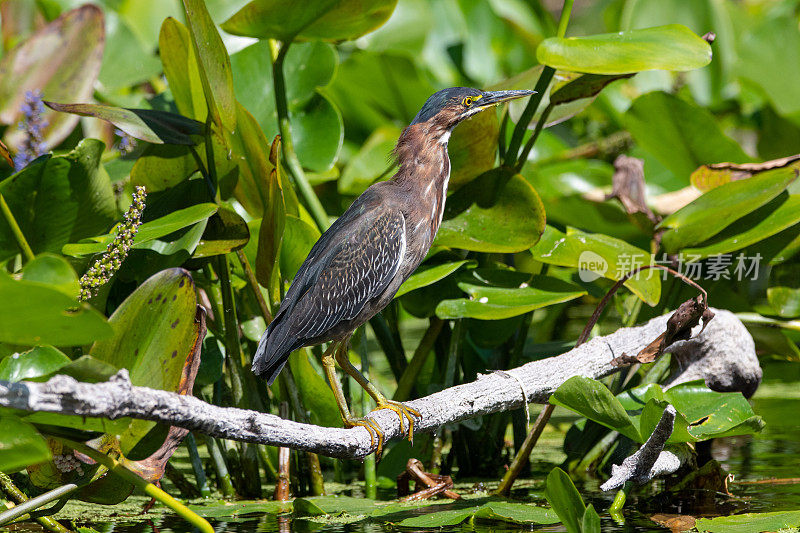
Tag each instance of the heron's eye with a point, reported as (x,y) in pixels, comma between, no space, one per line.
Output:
(468,101)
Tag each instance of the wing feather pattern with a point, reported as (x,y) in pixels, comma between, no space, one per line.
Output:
(352,263)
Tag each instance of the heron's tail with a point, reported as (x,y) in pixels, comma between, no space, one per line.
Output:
(273,351)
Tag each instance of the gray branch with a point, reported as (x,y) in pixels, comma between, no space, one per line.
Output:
(725,337)
(651,460)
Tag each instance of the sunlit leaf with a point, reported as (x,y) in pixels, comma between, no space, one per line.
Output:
(55,271)
(596,255)
(495,212)
(181,69)
(712,212)
(34,363)
(149,125)
(749,522)
(214,65)
(785,301)
(565,500)
(36,314)
(427,275)
(332,20)
(671,47)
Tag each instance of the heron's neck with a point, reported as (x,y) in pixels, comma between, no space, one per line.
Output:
(421,152)
(423,175)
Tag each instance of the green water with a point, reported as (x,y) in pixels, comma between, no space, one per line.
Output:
(773,454)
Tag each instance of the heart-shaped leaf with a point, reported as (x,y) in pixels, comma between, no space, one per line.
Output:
(681,135)
(496,212)
(671,47)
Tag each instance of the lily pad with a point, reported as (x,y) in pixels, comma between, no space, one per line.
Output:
(749,522)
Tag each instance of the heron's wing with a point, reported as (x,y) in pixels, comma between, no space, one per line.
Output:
(359,260)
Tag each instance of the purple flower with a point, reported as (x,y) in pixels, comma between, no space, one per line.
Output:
(126,142)
(32,145)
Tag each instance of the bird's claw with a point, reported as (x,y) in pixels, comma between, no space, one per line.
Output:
(375,432)
(403,411)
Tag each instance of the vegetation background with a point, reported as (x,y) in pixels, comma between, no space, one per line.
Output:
(98,275)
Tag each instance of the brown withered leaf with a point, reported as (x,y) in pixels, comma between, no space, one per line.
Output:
(679,328)
(674,522)
(708,177)
(629,186)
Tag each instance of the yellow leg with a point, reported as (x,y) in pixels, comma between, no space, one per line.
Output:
(375,432)
(403,411)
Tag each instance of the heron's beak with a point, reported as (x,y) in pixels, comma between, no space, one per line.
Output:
(497,97)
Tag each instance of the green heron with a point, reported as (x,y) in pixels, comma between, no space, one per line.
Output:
(356,267)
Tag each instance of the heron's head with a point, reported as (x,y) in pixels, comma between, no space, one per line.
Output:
(446,108)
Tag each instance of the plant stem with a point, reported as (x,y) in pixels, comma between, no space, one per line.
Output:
(197,466)
(545,78)
(453,352)
(312,459)
(532,140)
(370,472)
(223,476)
(313,204)
(236,362)
(27,253)
(409,377)
(149,489)
(26,505)
(388,342)
(254,286)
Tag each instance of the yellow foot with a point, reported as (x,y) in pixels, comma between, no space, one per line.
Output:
(375,432)
(404,412)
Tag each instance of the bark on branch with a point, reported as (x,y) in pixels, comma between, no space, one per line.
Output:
(725,338)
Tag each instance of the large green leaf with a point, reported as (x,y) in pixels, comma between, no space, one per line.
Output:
(681,135)
(750,522)
(428,275)
(785,301)
(331,20)
(62,60)
(565,500)
(225,232)
(154,332)
(35,313)
(20,444)
(214,65)
(182,69)
(149,125)
(596,255)
(671,47)
(317,129)
(57,200)
(495,212)
(719,207)
(473,147)
(781,213)
(593,400)
(494,303)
